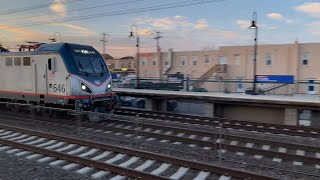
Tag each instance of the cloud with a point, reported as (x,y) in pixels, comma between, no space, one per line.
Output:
(201,24)
(279,17)
(223,34)
(267,27)
(312,9)
(244,24)
(276,16)
(145,32)
(167,23)
(173,23)
(16,35)
(314,27)
(58,7)
(81,30)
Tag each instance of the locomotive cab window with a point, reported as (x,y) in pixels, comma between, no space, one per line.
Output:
(26,61)
(89,62)
(49,64)
(9,61)
(17,61)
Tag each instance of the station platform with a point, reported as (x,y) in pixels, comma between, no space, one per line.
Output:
(278,109)
(299,100)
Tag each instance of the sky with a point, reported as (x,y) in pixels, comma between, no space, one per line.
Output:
(184,24)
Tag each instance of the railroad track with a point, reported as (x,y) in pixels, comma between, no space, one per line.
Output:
(226,123)
(206,140)
(107,160)
(298,154)
(238,145)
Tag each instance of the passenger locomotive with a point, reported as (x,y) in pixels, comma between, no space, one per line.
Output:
(57,74)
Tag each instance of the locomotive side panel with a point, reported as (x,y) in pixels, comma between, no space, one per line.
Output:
(16,77)
(40,74)
(52,78)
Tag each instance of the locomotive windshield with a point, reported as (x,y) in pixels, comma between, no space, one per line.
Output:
(91,65)
(88,60)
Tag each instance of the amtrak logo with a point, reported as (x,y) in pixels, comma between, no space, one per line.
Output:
(97,82)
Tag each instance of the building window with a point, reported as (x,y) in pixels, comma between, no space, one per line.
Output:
(17,61)
(311,87)
(8,61)
(206,59)
(154,62)
(305,59)
(111,65)
(26,61)
(183,60)
(268,59)
(237,59)
(222,60)
(240,86)
(143,61)
(194,60)
(123,65)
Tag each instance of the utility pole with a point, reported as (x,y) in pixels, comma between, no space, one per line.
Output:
(138,51)
(104,42)
(159,53)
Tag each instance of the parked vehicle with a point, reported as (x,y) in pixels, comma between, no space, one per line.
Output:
(128,81)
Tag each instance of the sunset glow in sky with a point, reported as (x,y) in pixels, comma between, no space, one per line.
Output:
(203,25)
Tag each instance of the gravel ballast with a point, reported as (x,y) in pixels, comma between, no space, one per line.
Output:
(163,148)
(15,168)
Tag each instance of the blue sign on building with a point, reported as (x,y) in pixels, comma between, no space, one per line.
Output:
(287,79)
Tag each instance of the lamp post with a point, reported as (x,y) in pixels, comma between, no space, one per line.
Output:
(59,35)
(137,45)
(255,27)
(54,39)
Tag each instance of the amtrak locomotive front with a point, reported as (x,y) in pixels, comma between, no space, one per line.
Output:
(58,74)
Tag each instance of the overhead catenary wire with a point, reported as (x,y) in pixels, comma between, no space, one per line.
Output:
(288,28)
(36,7)
(74,10)
(116,13)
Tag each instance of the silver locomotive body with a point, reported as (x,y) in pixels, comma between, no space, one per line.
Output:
(59,74)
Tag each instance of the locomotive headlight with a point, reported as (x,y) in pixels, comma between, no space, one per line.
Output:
(108,87)
(85,88)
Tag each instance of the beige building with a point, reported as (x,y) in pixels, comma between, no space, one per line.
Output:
(125,65)
(230,68)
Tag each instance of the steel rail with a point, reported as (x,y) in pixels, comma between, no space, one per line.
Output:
(227,123)
(215,134)
(148,155)
(175,150)
(233,148)
(83,161)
